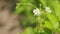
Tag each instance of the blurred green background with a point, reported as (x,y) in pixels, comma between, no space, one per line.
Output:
(45,23)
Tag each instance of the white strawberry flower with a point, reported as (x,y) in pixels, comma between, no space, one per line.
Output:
(48,9)
(36,12)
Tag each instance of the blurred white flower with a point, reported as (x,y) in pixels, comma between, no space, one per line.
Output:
(36,12)
(48,9)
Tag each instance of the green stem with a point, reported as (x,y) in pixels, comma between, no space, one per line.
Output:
(26,4)
(29,4)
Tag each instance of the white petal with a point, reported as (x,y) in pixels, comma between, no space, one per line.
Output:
(48,9)
(36,11)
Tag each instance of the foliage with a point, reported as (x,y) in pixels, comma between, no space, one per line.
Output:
(45,23)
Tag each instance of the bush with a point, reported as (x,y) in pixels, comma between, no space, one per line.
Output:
(41,16)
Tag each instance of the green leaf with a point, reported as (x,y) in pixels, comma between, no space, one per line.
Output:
(29,30)
(48,25)
(43,2)
(47,30)
(19,10)
(53,19)
(57,11)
